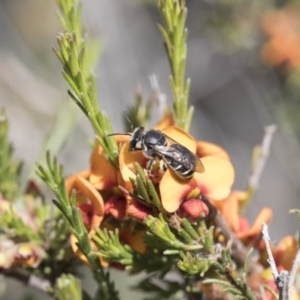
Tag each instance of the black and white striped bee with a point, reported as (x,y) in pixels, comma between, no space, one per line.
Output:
(159,147)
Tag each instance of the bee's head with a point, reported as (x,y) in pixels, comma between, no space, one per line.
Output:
(136,140)
(155,138)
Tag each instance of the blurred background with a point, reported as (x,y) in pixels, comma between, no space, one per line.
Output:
(243,60)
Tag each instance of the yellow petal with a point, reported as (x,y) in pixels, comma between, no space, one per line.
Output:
(173,191)
(181,137)
(294,294)
(214,183)
(210,149)
(230,211)
(264,216)
(137,210)
(81,256)
(87,193)
(103,174)
(166,121)
(70,181)
(134,240)
(286,251)
(91,194)
(127,160)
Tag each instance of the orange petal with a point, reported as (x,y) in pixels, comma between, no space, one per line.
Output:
(80,255)
(230,209)
(4,205)
(166,121)
(127,160)
(103,174)
(294,294)
(264,216)
(173,191)
(87,193)
(210,149)
(215,183)
(116,206)
(274,23)
(181,137)
(28,255)
(134,240)
(286,251)
(120,139)
(137,210)
(193,208)
(91,193)
(70,181)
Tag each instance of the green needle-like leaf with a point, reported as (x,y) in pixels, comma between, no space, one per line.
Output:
(67,288)
(54,177)
(74,51)
(9,169)
(174,13)
(111,247)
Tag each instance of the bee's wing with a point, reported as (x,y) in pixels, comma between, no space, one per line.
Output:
(199,168)
(170,140)
(170,154)
(199,165)
(181,155)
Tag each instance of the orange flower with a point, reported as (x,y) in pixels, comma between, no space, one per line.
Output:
(256,280)
(133,239)
(230,211)
(103,174)
(166,121)
(127,158)
(116,206)
(215,182)
(88,199)
(283,46)
(80,255)
(285,252)
(252,233)
(93,209)
(6,260)
(210,149)
(193,209)
(28,255)
(5,205)
(137,210)
(91,206)
(8,250)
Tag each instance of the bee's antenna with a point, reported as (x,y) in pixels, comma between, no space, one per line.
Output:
(126,133)
(126,116)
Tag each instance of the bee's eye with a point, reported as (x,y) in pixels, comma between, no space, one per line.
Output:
(136,139)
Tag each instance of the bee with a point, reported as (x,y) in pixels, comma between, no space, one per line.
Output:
(157,146)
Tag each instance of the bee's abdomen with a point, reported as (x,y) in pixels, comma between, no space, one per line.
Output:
(179,169)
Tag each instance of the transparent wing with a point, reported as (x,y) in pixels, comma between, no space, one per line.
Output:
(178,154)
(199,165)
(170,140)
(199,168)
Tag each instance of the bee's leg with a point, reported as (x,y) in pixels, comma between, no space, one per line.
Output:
(162,166)
(148,152)
(156,164)
(150,166)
